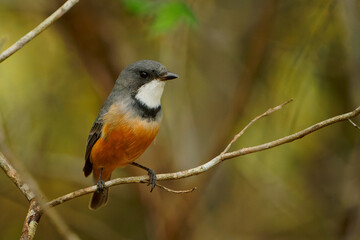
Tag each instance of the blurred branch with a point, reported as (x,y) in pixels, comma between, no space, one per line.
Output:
(253,53)
(2,42)
(85,32)
(36,31)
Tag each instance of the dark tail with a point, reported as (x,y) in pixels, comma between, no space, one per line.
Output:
(87,168)
(99,199)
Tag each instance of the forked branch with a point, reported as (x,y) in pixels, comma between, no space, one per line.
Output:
(36,210)
(216,160)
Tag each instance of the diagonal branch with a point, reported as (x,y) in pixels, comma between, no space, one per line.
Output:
(210,164)
(15,177)
(37,201)
(28,186)
(354,124)
(294,136)
(265,114)
(34,214)
(36,210)
(36,31)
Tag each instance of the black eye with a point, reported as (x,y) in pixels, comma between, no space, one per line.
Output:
(144,74)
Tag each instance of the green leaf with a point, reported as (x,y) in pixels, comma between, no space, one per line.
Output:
(166,15)
(170,14)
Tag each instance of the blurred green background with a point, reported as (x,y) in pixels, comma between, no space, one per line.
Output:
(235,59)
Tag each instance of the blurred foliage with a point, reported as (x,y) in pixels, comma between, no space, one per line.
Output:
(165,14)
(242,58)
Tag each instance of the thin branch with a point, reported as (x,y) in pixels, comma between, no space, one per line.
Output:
(28,186)
(210,164)
(36,210)
(34,214)
(32,220)
(91,189)
(37,201)
(294,136)
(265,114)
(15,177)
(176,191)
(354,124)
(36,31)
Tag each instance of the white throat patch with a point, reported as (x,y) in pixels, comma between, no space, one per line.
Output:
(150,93)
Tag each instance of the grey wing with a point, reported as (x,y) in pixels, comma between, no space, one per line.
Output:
(94,135)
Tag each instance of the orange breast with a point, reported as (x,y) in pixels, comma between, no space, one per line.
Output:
(122,141)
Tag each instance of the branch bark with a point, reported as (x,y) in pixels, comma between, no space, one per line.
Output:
(15,177)
(32,220)
(213,162)
(36,200)
(34,213)
(36,210)
(36,31)
(354,124)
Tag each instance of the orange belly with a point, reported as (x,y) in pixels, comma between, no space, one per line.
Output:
(122,142)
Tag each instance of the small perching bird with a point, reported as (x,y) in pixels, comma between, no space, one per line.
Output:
(126,125)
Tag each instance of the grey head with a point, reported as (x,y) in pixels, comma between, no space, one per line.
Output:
(145,81)
(140,86)
(142,72)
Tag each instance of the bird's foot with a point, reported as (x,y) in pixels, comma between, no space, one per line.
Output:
(151,173)
(100,185)
(152,180)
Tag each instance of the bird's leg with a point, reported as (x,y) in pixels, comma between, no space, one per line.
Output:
(151,173)
(100,183)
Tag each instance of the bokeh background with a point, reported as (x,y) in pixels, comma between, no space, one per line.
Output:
(235,59)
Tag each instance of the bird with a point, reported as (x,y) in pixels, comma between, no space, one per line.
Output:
(126,125)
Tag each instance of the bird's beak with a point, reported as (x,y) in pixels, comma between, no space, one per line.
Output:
(168,76)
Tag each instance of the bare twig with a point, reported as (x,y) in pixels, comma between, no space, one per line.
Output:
(210,164)
(15,177)
(84,191)
(36,31)
(354,124)
(176,191)
(34,214)
(294,136)
(36,210)
(28,186)
(265,114)
(37,201)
